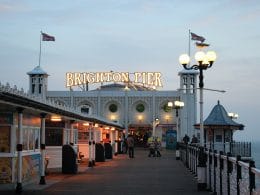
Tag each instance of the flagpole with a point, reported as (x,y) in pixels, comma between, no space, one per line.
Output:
(40,53)
(189,44)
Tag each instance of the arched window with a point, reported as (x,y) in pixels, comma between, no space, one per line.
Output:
(86,109)
(140,107)
(112,107)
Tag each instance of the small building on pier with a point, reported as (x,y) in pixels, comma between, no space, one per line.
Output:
(219,128)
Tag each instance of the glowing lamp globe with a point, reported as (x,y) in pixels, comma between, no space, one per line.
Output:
(200,56)
(211,56)
(184,59)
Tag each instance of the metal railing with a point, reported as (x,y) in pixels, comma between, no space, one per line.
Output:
(224,173)
(235,148)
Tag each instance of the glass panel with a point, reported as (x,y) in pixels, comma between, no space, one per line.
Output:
(36,138)
(31,139)
(5,139)
(25,139)
(53,137)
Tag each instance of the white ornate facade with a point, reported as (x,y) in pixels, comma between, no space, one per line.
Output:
(135,108)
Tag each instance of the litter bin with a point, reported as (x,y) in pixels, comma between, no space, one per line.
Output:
(100,153)
(69,160)
(119,147)
(108,151)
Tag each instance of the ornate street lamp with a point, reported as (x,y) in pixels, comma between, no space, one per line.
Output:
(233,115)
(155,123)
(176,105)
(205,61)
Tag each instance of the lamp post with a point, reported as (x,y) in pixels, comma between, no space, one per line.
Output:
(155,122)
(205,61)
(176,105)
(232,116)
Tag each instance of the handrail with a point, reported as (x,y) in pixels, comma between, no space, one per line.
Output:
(225,174)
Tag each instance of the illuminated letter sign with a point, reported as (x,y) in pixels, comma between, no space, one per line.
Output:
(146,78)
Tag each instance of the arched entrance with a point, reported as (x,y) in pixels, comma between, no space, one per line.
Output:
(141,133)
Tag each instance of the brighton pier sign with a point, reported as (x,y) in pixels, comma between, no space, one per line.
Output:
(152,79)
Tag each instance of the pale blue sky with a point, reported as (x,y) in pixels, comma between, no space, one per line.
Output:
(138,35)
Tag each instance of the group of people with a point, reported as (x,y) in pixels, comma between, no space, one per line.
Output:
(154,144)
(186,139)
(154,147)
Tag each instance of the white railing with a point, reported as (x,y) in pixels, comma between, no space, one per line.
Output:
(224,174)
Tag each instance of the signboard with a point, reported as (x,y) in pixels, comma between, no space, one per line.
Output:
(146,78)
(171,139)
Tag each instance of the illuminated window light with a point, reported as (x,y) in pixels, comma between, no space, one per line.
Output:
(113,117)
(56,118)
(85,124)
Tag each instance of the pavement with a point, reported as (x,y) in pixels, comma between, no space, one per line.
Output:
(141,175)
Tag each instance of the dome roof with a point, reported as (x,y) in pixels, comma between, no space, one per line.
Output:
(37,70)
(123,87)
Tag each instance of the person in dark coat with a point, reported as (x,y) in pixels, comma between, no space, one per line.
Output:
(130,143)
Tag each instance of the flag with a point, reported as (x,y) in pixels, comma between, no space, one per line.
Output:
(46,37)
(195,37)
(201,45)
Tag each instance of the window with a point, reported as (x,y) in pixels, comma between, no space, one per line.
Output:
(85,109)
(40,88)
(166,108)
(5,139)
(33,88)
(112,107)
(140,108)
(218,138)
(185,80)
(192,80)
(53,137)
(31,136)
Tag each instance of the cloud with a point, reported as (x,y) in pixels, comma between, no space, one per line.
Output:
(7,7)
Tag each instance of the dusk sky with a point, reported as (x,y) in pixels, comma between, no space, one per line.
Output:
(138,35)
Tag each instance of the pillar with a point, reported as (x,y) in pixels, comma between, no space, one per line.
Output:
(19,148)
(117,142)
(43,151)
(94,146)
(71,133)
(89,146)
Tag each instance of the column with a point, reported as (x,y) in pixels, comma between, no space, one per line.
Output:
(94,146)
(153,114)
(43,152)
(71,133)
(117,142)
(112,140)
(126,114)
(19,149)
(89,146)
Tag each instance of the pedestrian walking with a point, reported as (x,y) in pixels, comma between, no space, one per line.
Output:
(130,143)
(157,147)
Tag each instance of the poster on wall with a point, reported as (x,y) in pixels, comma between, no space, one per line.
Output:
(171,139)
(5,170)
(31,166)
(5,139)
